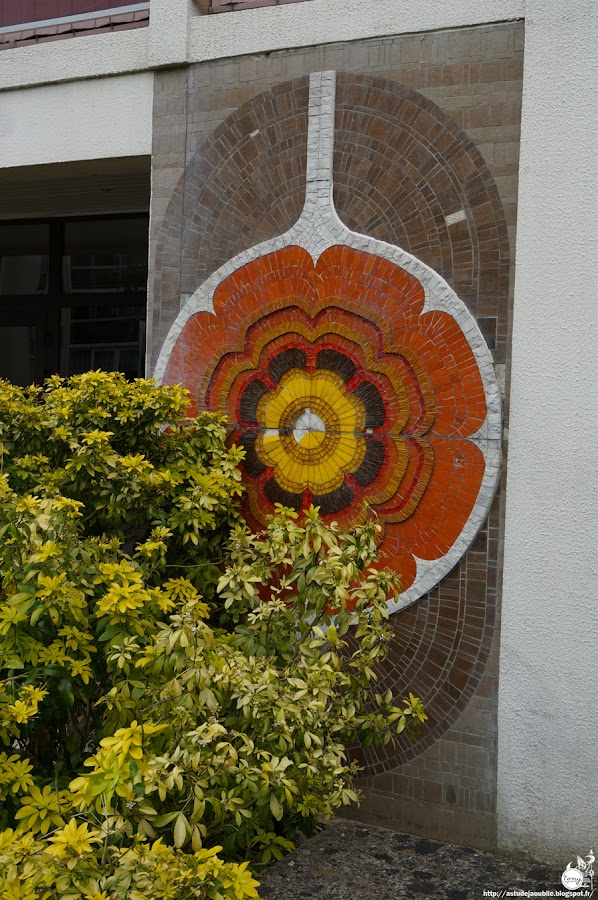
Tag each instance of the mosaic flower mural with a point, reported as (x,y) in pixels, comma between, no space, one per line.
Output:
(353,376)
(345,392)
(351,371)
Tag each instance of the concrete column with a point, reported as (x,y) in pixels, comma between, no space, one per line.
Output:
(169,30)
(548,693)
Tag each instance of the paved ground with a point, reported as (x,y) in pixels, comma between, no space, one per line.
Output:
(349,861)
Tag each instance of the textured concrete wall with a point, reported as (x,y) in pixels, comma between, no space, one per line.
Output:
(92,119)
(548,733)
(176,35)
(90,57)
(321,21)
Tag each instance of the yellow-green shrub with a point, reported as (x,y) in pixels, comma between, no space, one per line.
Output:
(169,681)
(77,864)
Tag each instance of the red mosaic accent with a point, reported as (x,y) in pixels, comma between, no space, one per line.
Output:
(414,372)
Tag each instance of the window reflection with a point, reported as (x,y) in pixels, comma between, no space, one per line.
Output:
(103,337)
(23,259)
(105,256)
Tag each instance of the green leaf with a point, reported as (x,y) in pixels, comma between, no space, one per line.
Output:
(165,819)
(275,807)
(54,671)
(66,693)
(110,632)
(36,615)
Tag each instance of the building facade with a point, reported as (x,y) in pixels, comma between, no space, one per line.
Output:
(387,207)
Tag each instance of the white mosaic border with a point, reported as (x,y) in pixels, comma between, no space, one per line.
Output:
(319,228)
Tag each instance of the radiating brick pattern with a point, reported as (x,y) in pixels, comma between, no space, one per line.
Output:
(200,100)
(394,130)
(405,173)
(462,224)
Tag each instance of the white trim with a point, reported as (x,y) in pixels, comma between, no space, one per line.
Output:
(82,17)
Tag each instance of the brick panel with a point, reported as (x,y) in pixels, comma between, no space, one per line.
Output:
(247,183)
(402,169)
(426,156)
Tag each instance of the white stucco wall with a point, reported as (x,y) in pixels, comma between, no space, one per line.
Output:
(175,34)
(81,57)
(548,688)
(326,21)
(91,119)
(168,31)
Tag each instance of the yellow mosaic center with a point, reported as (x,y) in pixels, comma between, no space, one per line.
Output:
(312,431)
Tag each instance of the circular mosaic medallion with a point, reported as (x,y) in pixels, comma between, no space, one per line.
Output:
(354,378)
(344,393)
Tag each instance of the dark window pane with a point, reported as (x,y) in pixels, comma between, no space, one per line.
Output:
(80,361)
(106,359)
(129,361)
(105,255)
(105,331)
(104,337)
(17,354)
(23,259)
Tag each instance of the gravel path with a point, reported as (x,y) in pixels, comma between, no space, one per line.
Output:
(350,861)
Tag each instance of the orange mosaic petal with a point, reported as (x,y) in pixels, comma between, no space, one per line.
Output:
(447,501)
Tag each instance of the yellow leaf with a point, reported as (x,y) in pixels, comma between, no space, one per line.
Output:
(180,830)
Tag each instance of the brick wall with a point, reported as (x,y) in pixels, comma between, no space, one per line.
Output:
(31,11)
(211,204)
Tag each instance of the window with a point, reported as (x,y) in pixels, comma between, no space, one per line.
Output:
(72,296)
